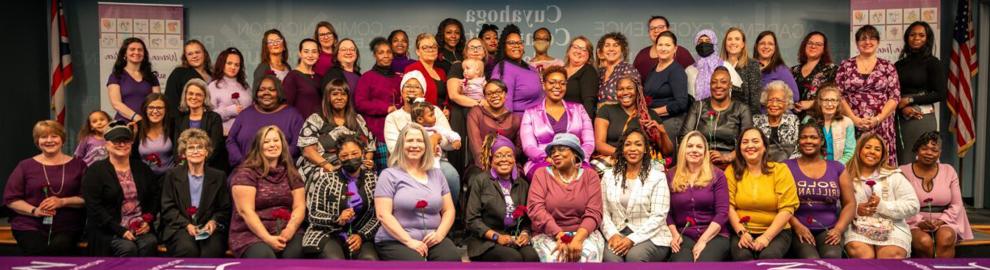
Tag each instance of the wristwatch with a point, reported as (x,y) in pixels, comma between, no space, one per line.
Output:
(741,232)
(495,237)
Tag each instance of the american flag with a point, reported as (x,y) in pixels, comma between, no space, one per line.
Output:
(61,62)
(961,71)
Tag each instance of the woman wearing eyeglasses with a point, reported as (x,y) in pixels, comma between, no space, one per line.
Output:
(435,90)
(524,89)
(838,130)
(814,70)
(551,117)
(274,57)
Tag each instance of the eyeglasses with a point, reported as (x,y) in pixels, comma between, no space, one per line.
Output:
(196,148)
(503,156)
(816,44)
(557,82)
(515,43)
(348,50)
(327,34)
(476,48)
(495,93)
(776,101)
(274,42)
(412,87)
(658,28)
(429,48)
(156,108)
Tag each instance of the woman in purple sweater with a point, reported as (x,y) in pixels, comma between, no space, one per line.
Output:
(524,84)
(699,204)
(817,180)
(269,109)
(377,95)
(767,52)
(302,85)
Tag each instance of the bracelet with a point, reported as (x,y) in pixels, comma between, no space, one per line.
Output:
(132,116)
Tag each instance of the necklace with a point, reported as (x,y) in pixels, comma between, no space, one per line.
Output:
(568,181)
(61,186)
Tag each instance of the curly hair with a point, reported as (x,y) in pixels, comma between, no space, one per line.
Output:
(619,38)
(925,139)
(621,164)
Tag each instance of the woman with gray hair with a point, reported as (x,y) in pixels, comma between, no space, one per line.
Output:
(778,123)
(195,111)
(195,200)
(413,203)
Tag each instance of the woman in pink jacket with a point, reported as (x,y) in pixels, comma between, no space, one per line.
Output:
(552,116)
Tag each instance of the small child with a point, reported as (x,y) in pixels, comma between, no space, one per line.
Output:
(92,146)
(441,138)
(474,79)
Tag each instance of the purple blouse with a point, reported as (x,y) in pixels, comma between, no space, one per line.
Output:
(406,193)
(132,92)
(302,91)
(781,73)
(26,182)
(536,131)
(705,204)
(248,123)
(91,149)
(274,191)
(819,197)
(400,62)
(524,86)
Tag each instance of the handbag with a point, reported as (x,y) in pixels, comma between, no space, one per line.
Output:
(874,227)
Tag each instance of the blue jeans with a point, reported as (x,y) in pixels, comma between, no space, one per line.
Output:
(453,179)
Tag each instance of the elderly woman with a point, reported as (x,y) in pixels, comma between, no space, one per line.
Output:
(269,109)
(553,116)
(412,90)
(613,49)
(345,67)
(942,222)
(582,77)
(377,95)
(318,137)
(635,203)
(699,75)
(762,199)
(229,90)
(780,125)
(565,205)
(413,203)
(195,201)
(614,120)
(269,200)
(666,84)
(44,194)
(196,112)
(699,199)
(434,89)
(153,142)
(870,90)
(720,119)
(302,86)
(122,200)
(341,213)
(814,224)
(814,69)
(880,201)
(923,84)
(195,65)
(838,131)
(492,117)
(747,88)
(131,80)
(523,83)
(498,228)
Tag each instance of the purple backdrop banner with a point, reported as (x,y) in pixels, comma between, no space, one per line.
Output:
(26,263)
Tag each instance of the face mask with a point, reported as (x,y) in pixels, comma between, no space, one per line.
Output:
(541,45)
(351,165)
(705,49)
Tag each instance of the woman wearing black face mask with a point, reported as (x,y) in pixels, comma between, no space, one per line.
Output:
(341,212)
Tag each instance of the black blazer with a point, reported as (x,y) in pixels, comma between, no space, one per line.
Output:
(104,197)
(486,210)
(176,81)
(213,125)
(214,202)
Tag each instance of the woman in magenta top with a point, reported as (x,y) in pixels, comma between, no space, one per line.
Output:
(131,80)
(524,86)
(302,85)
(553,116)
(327,36)
(698,192)
(436,86)
(942,221)
(377,95)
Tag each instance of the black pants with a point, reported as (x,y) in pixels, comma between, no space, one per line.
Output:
(643,252)
(499,253)
(715,251)
(145,245)
(335,248)
(775,250)
(395,251)
(260,250)
(819,250)
(182,244)
(36,243)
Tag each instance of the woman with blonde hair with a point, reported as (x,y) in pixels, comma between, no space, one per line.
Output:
(699,199)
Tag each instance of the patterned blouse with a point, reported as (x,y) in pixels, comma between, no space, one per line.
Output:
(606,90)
(821,74)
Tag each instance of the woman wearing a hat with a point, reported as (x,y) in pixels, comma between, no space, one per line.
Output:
(498,229)
(122,200)
(565,205)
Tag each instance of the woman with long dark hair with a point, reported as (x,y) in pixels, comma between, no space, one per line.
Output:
(195,65)
(274,57)
(131,80)
(923,85)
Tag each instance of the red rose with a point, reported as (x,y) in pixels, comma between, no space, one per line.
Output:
(191,210)
(690,220)
(349,194)
(711,113)
(566,238)
(235,95)
(871,183)
(421,204)
(148,217)
(744,220)
(519,212)
(810,220)
(282,214)
(135,225)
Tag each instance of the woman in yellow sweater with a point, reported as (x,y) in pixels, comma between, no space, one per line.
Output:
(762,198)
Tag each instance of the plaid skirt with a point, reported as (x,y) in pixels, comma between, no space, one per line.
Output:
(381,157)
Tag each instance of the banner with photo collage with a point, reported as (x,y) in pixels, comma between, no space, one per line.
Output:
(159,26)
(891,18)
